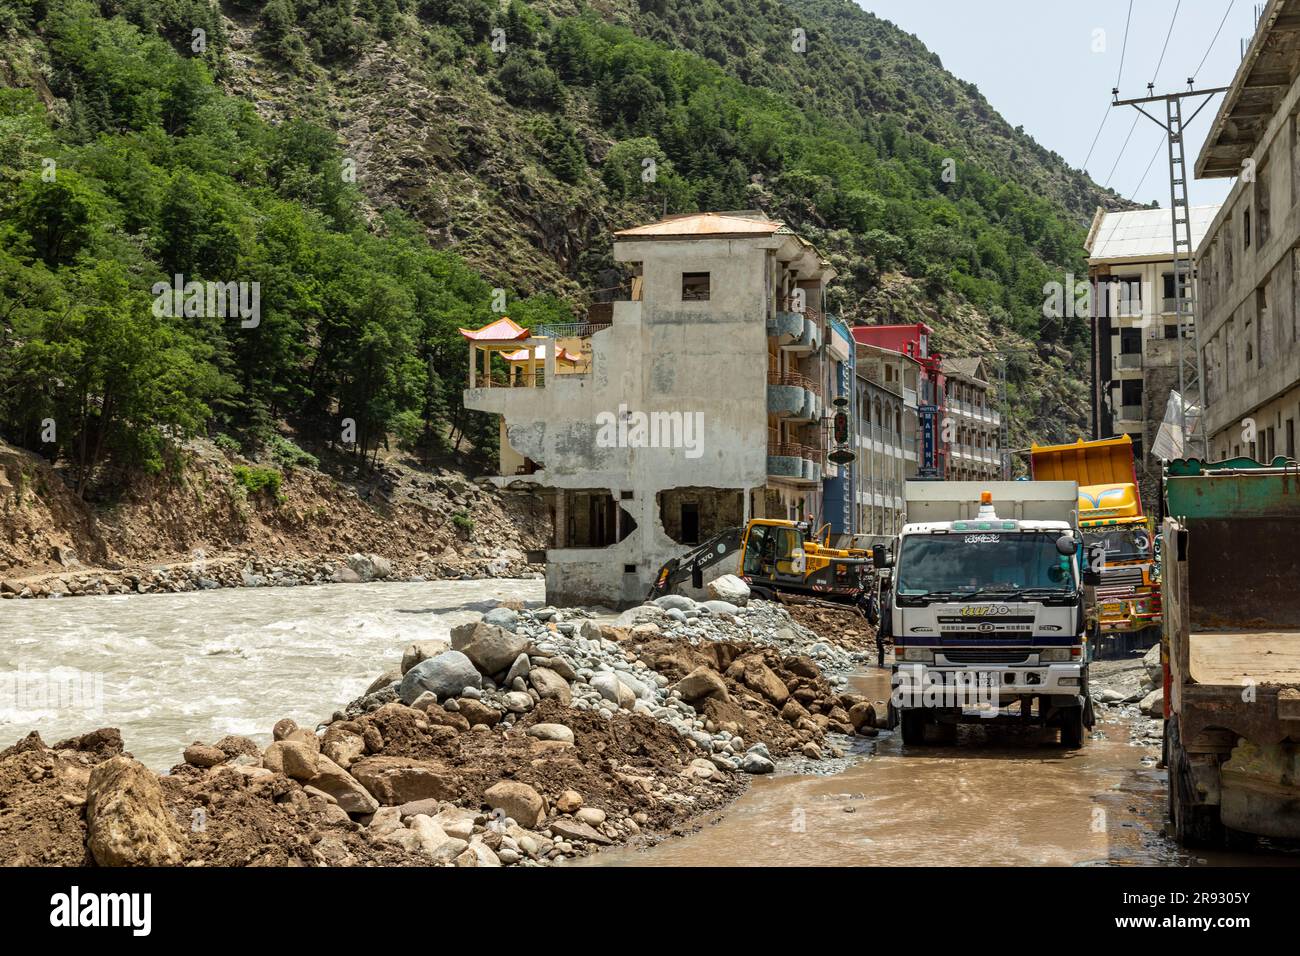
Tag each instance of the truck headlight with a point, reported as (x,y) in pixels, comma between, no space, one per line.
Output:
(918,655)
(1054,655)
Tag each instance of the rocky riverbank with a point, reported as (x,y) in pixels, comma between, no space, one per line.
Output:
(530,737)
(203,528)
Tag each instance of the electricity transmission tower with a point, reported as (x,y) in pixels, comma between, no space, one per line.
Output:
(1190,365)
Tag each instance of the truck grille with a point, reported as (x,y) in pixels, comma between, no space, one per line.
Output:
(985,655)
(1121,577)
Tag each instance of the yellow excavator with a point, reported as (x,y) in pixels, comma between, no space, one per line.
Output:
(780,559)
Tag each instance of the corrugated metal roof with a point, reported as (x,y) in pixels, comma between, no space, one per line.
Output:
(965,365)
(705,225)
(1144,233)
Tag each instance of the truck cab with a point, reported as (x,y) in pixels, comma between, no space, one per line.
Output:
(987,609)
(1118,538)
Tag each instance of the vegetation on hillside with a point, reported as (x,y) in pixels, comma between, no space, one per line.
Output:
(377,167)
(153,172)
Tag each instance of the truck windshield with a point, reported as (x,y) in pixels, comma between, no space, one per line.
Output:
(1122,544)
(971,563)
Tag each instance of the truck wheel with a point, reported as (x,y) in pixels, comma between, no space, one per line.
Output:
(914,723)
(1072,728)
(1194,824)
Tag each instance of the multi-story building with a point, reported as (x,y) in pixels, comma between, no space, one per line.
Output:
(885,439)
(1248,264)
(1135,341)
(696,404)
(971,424)
(913,341)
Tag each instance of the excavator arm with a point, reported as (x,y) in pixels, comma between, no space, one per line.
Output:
(691,565)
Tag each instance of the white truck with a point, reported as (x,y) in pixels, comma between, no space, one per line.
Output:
(985,605)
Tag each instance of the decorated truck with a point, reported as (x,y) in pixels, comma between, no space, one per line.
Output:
(1231,654)
(1118,537)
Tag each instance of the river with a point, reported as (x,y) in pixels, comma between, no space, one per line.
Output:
(169,669)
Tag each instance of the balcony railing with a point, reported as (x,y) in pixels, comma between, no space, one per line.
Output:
(1129,360)
(795,379)
(794,450)
(571,330)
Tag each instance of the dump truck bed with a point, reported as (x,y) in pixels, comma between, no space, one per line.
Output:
(1231,658)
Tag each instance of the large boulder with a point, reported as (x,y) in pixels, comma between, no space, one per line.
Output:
(293,758)
(333,780)
(444,676)
(701,683)
(1153,704)
(674,602)
(477,712)
(362,566)
(420,651)
(491,648)
(127,821)
(502,617)
(729,588)
(549,684)
(397,780)
(518,801)
(610,687)
(757,676)
(1155,670)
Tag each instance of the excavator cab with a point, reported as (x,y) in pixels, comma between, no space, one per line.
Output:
(773,551)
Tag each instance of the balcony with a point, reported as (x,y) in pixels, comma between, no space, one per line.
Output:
(794,462)
(797,331)
(1128,360)
(794,396)
(1130,413)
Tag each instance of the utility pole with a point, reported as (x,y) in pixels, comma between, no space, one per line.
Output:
(1190,365)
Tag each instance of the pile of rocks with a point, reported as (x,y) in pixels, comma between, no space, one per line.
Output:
(1132,689)
(495,670)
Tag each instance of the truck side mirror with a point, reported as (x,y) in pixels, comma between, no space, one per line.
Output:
(1091,578)
(879,556)
(1065,545)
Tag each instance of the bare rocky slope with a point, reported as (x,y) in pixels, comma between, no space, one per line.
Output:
(202,527)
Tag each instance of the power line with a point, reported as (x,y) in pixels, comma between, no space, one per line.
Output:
(1206,56)
(1212,39)
(1104,117)
(1121,152)
(1124,49)
(1160,62)
(1138,188)
(1122,52)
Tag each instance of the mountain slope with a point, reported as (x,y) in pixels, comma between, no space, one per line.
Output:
(370,157)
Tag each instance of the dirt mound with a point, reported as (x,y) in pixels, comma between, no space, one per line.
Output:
(779,699)
(842,626)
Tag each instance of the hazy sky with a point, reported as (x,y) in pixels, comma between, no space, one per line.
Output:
(1034,60)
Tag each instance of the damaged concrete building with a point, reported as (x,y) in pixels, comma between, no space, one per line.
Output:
(696,404)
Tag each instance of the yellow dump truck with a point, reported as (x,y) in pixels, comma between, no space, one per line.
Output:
(1127,613)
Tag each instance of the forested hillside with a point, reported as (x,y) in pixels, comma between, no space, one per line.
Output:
(378,167)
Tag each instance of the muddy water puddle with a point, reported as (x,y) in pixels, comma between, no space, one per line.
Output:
(1001,797)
